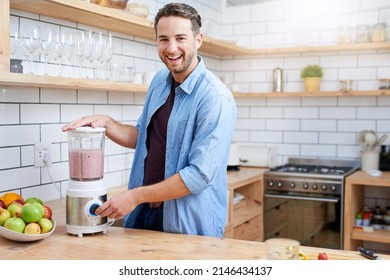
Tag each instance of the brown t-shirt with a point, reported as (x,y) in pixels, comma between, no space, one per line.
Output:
(156,141)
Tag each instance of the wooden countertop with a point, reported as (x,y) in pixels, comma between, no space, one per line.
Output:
(126,244)
(362,178)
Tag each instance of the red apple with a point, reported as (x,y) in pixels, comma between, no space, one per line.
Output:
(4,216)
(2,204)
(32,228)
(322,256)
(15,224)
(46,225)
(47,212)
(21,202)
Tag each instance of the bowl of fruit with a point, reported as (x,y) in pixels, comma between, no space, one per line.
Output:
(25,220)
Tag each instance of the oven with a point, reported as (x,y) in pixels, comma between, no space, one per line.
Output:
(304,201)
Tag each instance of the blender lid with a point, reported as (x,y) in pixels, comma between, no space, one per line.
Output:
(90,129)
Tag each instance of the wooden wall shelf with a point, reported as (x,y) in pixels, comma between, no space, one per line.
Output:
(123,22)
(30,80)
(310,94)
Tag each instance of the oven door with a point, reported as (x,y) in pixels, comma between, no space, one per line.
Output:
(312,220)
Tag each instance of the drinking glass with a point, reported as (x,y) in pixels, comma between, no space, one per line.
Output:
(15,44)
(89,54)
(108,54)
(80,39)
(60,50)
(99,55)
(31,42)
(48,44)
(282,249)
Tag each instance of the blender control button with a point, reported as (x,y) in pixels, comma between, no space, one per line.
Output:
(93,208)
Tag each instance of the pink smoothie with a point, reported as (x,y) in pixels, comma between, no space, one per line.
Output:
(86,165)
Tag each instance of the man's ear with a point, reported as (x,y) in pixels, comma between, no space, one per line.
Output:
(199,40)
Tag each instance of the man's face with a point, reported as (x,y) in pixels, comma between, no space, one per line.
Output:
(177,46)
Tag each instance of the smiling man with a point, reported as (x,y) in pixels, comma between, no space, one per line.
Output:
(178,181)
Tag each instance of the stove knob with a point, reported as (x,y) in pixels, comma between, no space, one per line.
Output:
(333,188)
(271,184)
(280,184)
(324,187)
(292,185)
(314,187)
(305,186)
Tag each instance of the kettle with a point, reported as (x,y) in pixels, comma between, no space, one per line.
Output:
(277,75)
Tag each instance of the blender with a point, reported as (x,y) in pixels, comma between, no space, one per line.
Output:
(86,190)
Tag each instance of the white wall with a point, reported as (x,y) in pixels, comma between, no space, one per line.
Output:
(325,127)
(309,127)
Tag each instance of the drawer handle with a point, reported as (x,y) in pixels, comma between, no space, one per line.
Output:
(277,207)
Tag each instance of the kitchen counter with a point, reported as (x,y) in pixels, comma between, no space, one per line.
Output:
(126,244)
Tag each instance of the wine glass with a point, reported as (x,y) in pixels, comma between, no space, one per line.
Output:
(48,44)
(31,42)
(99,54)
(89,54)
(80,39)
(108,53)
(60,50)
(15,44)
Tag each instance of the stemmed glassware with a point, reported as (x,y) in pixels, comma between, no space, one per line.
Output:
(31,42)
(48,45)
(80,38)
(15,44)
(108,53)
(99,55)
(60,50)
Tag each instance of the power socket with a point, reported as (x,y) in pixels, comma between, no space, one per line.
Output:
(42,154)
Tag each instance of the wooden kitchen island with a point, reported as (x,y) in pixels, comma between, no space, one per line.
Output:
(130,244)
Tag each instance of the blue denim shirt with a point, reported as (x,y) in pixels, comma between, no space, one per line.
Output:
(198,139)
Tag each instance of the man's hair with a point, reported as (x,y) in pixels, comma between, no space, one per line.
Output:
(180,10)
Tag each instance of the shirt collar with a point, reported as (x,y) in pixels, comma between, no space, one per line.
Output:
(188,85)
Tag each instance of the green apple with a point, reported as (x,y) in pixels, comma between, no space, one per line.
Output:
(34,199)
(15,224)
(32,228)
(4,215)
(46,225)
(15,209)
(32,213)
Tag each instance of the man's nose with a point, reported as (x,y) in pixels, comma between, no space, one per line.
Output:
(172,46)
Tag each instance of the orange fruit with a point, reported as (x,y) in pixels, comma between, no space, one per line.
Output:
(10,197)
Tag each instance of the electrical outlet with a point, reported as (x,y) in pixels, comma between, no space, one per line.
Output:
(42,154)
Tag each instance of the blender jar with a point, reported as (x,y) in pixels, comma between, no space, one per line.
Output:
(86,153)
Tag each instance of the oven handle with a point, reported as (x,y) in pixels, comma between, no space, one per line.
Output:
(321,199)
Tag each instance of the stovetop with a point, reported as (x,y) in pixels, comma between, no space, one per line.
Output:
(313,169)
(301,166)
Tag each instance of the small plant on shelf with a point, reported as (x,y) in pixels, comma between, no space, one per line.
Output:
(311,75)
(312,71)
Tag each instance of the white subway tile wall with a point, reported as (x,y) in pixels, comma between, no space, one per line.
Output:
(320,127)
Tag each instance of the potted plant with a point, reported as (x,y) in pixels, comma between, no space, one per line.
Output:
(311,76)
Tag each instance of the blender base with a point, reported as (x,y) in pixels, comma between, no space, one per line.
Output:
(80,230)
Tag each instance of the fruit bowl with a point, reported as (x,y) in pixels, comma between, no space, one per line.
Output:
(23,237)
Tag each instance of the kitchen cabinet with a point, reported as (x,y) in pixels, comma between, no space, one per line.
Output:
(125,23)
(355,185)
(275,218)
(245,218)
